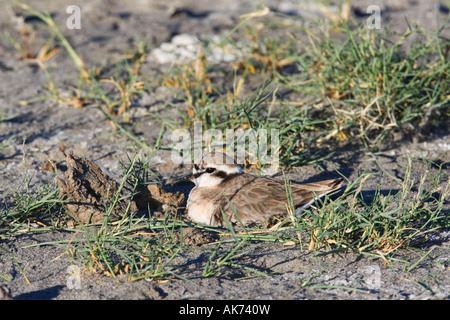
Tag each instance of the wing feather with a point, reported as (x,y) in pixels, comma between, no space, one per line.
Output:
(255,199)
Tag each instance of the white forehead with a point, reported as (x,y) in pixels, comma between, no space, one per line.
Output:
(216,158)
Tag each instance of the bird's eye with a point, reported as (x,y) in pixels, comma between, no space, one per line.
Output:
(210,170)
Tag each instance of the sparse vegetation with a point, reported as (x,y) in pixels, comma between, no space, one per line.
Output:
(371,85)
(142,246)
(364,87)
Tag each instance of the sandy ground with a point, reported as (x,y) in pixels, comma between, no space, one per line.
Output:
(109,28)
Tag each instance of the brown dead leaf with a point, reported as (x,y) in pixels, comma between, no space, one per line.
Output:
(47,166)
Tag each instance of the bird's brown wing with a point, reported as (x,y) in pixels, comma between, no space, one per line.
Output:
(255,199)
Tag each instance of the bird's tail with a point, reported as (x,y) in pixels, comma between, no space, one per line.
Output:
(307,193)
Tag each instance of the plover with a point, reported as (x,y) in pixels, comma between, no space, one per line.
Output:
(222,190)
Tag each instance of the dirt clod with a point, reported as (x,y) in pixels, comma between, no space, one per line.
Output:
(158,200)
(196,237)
(87,189)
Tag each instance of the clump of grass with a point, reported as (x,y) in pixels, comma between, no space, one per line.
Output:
(91,87)
(288,128)
(26,47)
(226,255)
(46,18)
(370,84)
(124,77)
(260,55)
(292,126)
(131,246)
(56,41)
(28,208)
(366,87)
(192,78)
(32,209)
(128,88)
(383,223)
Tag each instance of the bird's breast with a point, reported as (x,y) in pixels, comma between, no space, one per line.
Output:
(200,209)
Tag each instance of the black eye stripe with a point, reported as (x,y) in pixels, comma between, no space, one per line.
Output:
(218,174)
(210,170)
(221,174)
(196,166)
